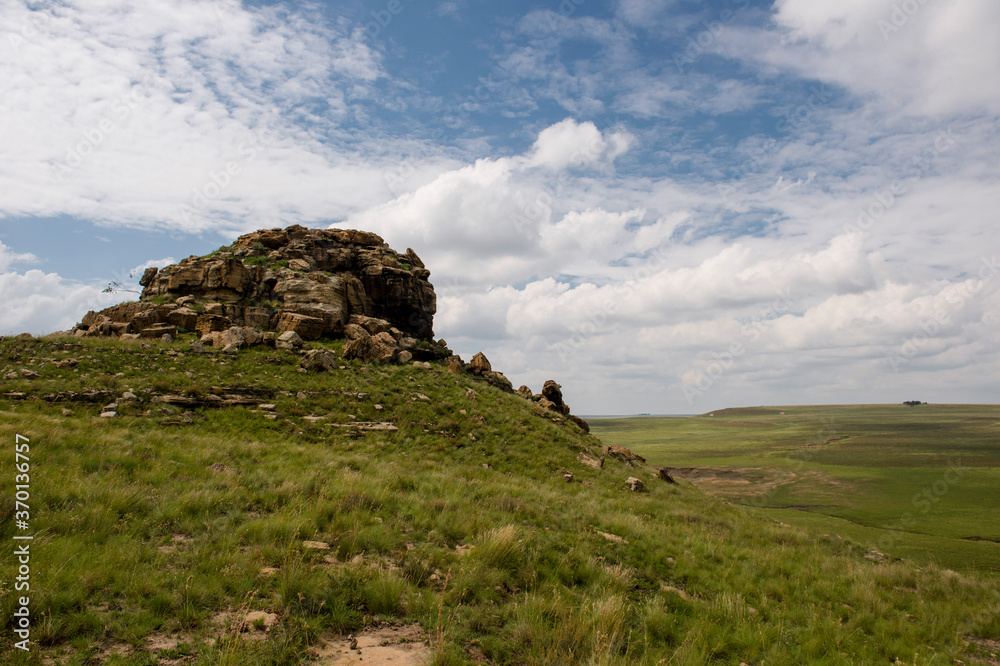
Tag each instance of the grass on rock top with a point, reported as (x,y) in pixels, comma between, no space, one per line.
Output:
(460,520)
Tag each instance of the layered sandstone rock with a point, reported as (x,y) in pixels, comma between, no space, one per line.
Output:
(310,281)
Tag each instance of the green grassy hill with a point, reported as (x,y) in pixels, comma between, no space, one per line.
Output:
(237,484)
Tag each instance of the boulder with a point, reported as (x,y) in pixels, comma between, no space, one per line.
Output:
(308,328)
(384,348)
(355,332)
(316,295)
(499,380)
(551,398)
(553,392)
(211,323)
(664,474)
(525,392)
(404,357)
(148,276)
(319,360)
(580,422)
(251,336)
(634,484)
(288,340)
(183,318)
(158,331)
(257,317)
(372,325)
(231,337)
(359,348)
(479,364)
(623,454)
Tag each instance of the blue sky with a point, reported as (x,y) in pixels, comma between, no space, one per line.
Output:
(667,206)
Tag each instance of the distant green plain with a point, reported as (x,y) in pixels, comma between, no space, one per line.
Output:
(921,483)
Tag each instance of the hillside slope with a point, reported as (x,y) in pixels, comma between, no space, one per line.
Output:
(239,510)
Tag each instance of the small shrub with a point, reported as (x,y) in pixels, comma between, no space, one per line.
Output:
(383,594)
(500,547)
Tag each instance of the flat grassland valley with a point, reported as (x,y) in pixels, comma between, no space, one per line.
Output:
(915,481)
(195,506)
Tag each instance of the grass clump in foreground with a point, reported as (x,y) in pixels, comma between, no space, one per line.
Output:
(167,525)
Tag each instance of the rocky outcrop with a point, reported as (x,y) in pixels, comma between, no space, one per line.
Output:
(283,287)
(551,399)
(480,367)
(310,281)
(624,454)
(634,484)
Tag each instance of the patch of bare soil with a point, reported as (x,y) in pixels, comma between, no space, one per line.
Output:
(988,651)
(157,644)
(734,484)
(388,645)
